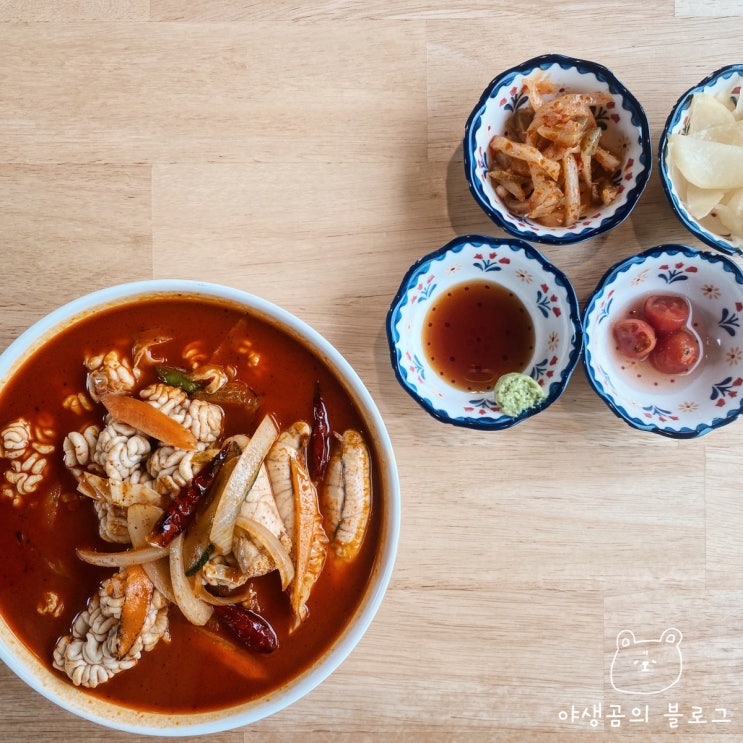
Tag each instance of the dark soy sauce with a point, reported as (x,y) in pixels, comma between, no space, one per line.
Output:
(476,332)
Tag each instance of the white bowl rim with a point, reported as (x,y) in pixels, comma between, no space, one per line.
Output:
(574,317)
(670,249)
(681,105)
(125,719)
(583,65)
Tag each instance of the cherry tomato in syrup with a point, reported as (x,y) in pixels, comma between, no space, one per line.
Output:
(635,338)
(676,352)
(666,312)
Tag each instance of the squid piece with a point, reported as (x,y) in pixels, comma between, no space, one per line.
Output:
(346,495)
(259,506)
(536,88)
(297,502)
(572,189)
(527,152)
(545,197)
(124,618)
(279,470)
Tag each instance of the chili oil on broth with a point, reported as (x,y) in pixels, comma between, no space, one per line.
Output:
(475,332)
(38,544)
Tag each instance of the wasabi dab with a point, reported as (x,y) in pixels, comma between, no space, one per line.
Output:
(516,392)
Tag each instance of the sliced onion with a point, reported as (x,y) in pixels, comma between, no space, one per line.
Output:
(127,494)
(158,572)
(239,483)
(210,598)
(137,556)
(140,519)
(118,493)
(94,487)
(196,611)
(240,439)
(86,487)
(271,544)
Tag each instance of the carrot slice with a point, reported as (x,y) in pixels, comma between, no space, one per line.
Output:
(149,420)
(311,542)
(137,597)
(226,652)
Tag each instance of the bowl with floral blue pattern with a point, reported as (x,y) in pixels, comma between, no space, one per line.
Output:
(644,392)
(525,319)
(714,217)
(624,132)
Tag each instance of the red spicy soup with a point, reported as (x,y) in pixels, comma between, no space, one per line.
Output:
(43,584)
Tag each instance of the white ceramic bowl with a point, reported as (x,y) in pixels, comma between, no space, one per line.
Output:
(545,292)
(55,687)
(729,82)
(679,406)
(627,134)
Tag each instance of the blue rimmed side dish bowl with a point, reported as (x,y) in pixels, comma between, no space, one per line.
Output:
(513,266)
(697,205)
(625,132)
(678,405)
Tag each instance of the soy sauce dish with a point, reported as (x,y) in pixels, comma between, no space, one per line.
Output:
(474,311)
(664,342)
(151,579)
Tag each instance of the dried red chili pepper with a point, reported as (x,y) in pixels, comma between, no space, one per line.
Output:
(318,448)
(251,629)
(182,509)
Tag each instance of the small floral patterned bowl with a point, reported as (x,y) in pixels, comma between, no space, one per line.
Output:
(680,406)
(512,266)
(626,130)
(727,81)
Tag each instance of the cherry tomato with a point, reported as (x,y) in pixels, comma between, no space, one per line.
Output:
(636,338)
(666,312)
(676,352)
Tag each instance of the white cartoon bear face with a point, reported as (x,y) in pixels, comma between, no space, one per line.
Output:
(646,666)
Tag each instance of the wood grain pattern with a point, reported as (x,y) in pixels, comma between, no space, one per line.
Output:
(309,153)
(708,9)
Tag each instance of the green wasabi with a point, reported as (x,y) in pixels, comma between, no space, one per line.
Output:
(516,392)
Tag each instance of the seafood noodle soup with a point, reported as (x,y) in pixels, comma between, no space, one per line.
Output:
(191,505)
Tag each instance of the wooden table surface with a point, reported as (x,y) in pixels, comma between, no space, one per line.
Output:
(308,153)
